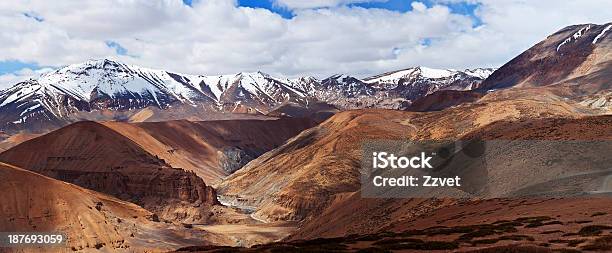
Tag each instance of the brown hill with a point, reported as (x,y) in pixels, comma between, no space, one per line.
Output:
(573,63)
(318,111)
(349,213)
(10,141)
(352,222)
(585,128)
(305,175)
(443,99)
(302,175)
(143,162)
(211,149)
(576,56)
(93,156)
(90,220)
(544,225)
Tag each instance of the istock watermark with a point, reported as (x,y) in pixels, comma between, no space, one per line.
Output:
(486,169)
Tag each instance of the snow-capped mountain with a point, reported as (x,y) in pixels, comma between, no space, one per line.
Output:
(103,86)
(256,90)
(347,86)
(109,85)
(396,89)
(413,83)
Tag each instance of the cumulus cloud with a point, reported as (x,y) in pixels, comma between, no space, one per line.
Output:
(218,37)
(418,6)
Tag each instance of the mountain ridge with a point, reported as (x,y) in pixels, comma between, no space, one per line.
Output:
(574,54)
(64,95)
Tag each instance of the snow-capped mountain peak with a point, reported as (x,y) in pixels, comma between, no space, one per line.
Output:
(95,79)
(108,85)
(416,82)
(482,73)
(434,73)
(426,73)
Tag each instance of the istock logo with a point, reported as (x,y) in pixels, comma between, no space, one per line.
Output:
(472,168)
(437,168)
(383,160)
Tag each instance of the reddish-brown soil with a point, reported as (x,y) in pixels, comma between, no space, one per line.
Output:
(554,223)
(495,225)
(153,164)
(546,63)
(15,139)
(93,156)
(352,214)
(90,220)
(203,147)
(443,99)
(304,176)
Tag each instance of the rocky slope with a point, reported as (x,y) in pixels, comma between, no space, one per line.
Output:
(211,149)
(159,165)
(324,194)
(573,63)
(91,221)
(302,177)
(94,156)
(110,90)
(443,99)
(576,56)
(352,214)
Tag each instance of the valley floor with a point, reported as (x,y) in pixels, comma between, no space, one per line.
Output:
(246,235)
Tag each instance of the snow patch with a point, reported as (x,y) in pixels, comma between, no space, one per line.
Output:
(436,73)
(479,72)
(29,109)
(600,35)
(575,36)
(392,77)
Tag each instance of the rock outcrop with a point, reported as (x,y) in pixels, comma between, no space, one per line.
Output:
(89,221)
(93,156)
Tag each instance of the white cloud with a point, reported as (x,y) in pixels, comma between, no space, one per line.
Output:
(418,6)
(216,36)
(308,4)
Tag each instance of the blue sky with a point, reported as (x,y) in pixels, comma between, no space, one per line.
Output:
(392,5)
(11,66)
(464,8)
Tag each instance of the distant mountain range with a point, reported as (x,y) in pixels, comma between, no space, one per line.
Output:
(106,89)
(109,90)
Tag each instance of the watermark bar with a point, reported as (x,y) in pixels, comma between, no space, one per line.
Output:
(486,169)
(32,239)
